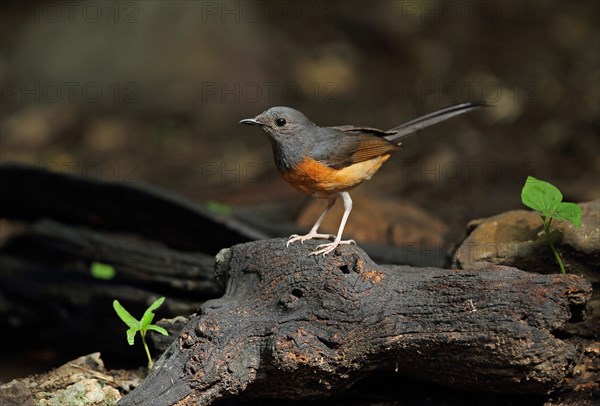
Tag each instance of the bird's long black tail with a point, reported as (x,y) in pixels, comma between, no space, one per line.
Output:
(427,120)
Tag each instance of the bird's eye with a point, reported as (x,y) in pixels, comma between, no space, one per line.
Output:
(280,122)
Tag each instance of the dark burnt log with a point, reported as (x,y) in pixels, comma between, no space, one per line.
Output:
(71,250)
(29,194)
(293,326)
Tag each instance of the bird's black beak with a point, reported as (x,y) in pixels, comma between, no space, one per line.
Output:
(251,121)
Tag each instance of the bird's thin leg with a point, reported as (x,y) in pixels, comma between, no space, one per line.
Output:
(327,248)
(313,231)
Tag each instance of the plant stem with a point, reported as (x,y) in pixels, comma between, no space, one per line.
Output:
(551,244)
(150,364)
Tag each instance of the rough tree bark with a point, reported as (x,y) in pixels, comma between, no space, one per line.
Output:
(294,326)
(59,251)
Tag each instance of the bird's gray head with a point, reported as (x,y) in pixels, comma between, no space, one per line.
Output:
(281,123)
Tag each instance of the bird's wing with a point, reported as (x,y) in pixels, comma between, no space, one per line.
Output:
(347,147)
(371,130)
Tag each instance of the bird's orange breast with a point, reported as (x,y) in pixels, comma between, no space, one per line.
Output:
(312,177)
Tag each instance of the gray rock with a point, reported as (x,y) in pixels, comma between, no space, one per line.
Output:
(516,238)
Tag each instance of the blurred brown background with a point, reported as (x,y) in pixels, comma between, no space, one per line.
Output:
(152,91)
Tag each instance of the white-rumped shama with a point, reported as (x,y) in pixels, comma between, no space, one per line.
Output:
(328,161)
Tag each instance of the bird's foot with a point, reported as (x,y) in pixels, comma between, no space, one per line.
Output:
(327,248)
(295,237)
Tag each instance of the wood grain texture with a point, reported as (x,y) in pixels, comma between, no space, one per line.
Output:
(292,326)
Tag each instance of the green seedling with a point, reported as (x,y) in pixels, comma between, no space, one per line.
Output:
(143,326)
(546,199)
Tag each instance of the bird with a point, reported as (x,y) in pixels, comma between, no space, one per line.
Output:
(327,162)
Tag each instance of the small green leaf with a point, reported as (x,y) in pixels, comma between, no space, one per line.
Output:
(157,303)
(570,212)
(127,318)
(541,196)
(131,335)
(158,329)
(102,271)
(147,319)
(149,313)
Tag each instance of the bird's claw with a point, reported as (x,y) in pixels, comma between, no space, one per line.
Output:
(296,237)
(327,248)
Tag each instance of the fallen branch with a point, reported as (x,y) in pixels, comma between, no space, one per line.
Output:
(293,326)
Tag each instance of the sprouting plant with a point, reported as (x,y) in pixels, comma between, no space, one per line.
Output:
(143,325)
(546,199)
